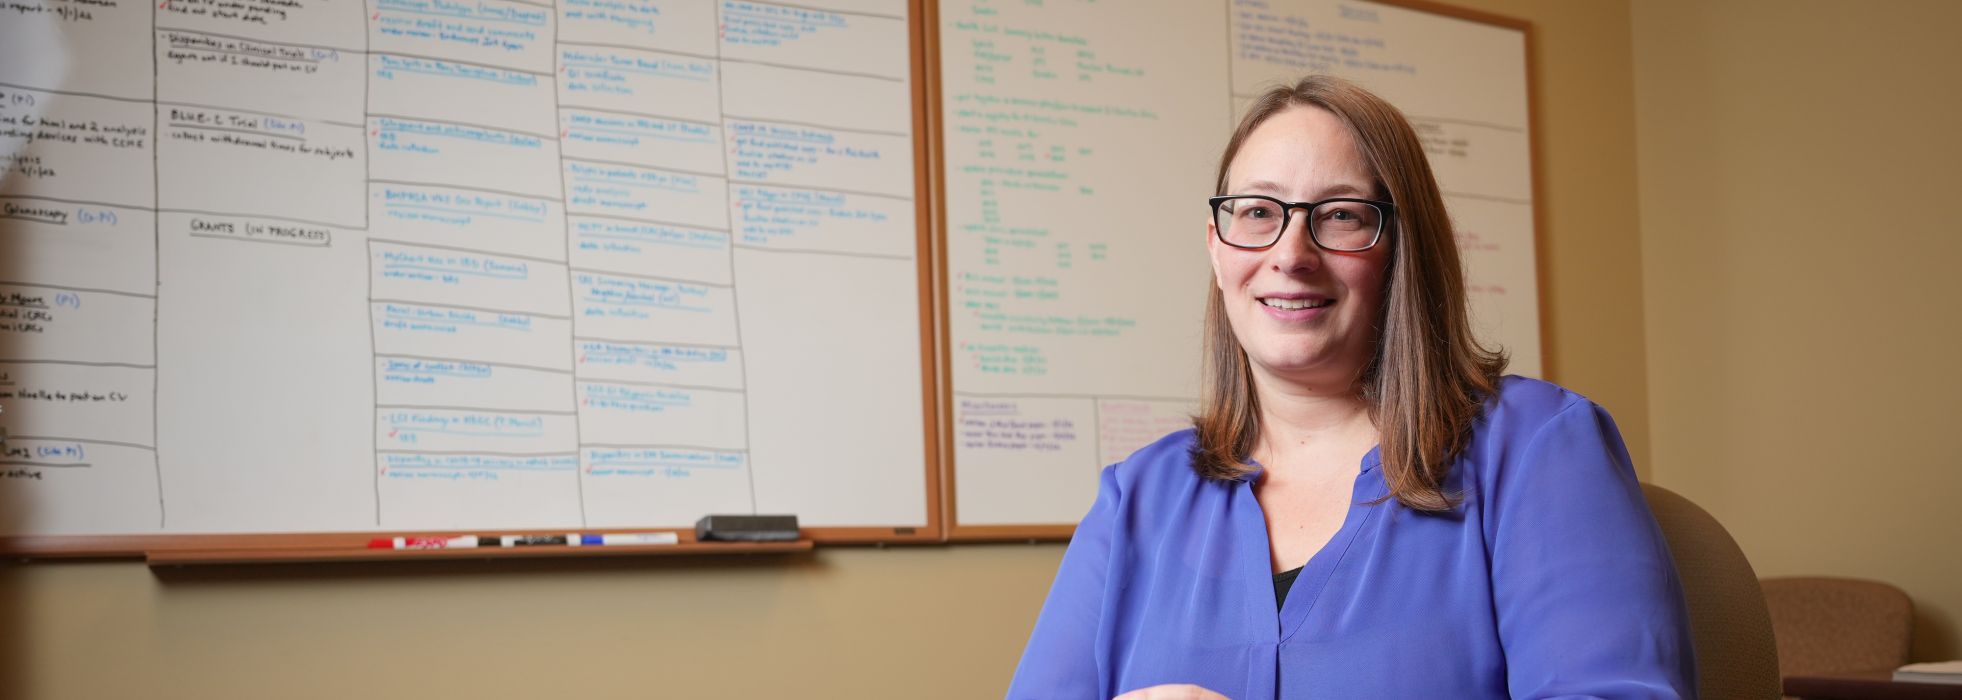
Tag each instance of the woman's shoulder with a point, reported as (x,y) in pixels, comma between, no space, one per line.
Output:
(1525,404)
(1155,493)
(1164,463)
(1532,425)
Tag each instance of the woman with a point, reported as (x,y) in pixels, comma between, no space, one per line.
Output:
(1364,509)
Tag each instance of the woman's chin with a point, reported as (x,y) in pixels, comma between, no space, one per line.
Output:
(1305,371)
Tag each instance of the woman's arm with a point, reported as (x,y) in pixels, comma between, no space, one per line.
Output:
(1061,660)
(1587,598)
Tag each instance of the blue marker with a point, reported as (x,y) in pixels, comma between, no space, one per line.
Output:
(630,538)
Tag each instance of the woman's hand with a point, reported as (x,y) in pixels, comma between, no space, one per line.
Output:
(1172,692)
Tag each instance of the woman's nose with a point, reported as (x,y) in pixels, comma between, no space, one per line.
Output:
(1295,251)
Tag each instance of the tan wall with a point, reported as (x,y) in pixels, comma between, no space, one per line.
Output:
(852,622)
(898,623)
(1799,169)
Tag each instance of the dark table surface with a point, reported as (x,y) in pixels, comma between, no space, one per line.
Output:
(1875,684)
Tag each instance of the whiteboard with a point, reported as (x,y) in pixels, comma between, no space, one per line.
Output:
(1081,140)
(301,266)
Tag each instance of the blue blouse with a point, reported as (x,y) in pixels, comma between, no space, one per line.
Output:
(1549,580)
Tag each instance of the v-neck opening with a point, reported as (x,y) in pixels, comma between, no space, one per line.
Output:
(1308,585)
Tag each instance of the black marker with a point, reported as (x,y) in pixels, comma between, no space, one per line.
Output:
(529,540)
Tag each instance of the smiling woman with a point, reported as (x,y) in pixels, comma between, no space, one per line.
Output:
(1424,527)
(1427,373)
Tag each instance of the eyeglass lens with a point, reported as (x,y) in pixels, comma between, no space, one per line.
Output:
(1257,222)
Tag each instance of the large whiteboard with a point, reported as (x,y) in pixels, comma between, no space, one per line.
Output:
(273,266)
(1080,142)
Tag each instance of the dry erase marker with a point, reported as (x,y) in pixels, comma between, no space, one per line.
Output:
(464,542)
(530,540)
(630,538)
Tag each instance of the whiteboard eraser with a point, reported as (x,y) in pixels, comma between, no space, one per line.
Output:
(746,528)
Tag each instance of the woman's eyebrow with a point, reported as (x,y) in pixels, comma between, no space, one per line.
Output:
(1343,190)
(1272,188)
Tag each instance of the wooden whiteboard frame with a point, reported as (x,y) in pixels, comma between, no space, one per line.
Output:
(340,546)
(957,532)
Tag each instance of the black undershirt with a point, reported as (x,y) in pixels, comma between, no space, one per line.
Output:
(1282,582)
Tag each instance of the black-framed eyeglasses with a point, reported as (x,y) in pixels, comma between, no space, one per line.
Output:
(1341,224)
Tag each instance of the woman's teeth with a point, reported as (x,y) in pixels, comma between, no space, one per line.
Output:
(1297,303)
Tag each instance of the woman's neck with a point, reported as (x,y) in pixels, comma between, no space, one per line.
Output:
(1304,425)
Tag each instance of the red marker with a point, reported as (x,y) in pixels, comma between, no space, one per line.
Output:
(463,542)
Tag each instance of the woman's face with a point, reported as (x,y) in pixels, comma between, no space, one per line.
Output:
(1305,315)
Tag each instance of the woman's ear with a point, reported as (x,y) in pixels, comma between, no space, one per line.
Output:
(1212,247)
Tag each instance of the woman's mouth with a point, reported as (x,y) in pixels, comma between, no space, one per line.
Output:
(1296,304)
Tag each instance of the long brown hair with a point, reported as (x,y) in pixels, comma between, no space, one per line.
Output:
(1428,377)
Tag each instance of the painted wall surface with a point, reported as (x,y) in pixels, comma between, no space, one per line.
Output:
(943,622)
(1799,166)
(848,622)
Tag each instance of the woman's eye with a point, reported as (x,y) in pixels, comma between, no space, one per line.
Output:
(1342,215)
(1258,211)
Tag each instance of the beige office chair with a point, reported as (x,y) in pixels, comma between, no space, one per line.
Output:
(1825,625)
(1736,652)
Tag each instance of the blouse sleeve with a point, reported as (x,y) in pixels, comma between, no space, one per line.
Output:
(1587,598)
(1061,660)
